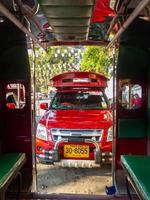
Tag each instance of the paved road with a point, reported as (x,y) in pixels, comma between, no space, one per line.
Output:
(54,179)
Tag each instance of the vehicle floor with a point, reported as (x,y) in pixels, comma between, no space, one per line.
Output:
(33,196)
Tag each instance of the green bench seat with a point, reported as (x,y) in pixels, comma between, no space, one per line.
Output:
(10,165)
(137,171)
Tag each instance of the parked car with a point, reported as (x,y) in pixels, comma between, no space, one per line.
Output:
(76,129)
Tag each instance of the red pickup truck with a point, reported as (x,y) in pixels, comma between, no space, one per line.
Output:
(76,129)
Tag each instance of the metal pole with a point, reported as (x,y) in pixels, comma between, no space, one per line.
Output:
(114,116)
(12,18)
(34,172)
(112,24)
(133,15)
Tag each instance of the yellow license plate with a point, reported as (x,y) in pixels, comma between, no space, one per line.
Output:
(76,151)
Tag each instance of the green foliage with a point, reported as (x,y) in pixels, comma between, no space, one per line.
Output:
(96,59)
(61,59)
(53,62)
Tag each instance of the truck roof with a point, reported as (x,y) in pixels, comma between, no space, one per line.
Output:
(79,79)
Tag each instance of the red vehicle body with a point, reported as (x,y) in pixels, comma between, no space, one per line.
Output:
(76,129)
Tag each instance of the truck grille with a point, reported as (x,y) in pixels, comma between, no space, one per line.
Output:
(93,134)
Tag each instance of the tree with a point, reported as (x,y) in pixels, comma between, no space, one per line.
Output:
(53,62)
(95,59)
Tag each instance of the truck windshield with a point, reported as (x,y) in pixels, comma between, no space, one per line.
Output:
(84,100)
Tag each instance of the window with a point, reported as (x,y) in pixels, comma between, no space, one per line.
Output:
(84,100)
(130,96)
(15,96)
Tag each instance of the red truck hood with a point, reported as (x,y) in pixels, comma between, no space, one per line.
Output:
(77,119)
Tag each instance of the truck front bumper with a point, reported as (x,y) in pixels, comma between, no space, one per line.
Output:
(53,157)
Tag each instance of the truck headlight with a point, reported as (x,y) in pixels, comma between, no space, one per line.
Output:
(110,134)
(41,132)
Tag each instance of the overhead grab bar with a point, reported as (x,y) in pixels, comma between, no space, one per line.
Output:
(133,15)
(12,18)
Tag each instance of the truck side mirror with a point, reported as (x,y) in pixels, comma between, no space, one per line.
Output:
(44,106)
